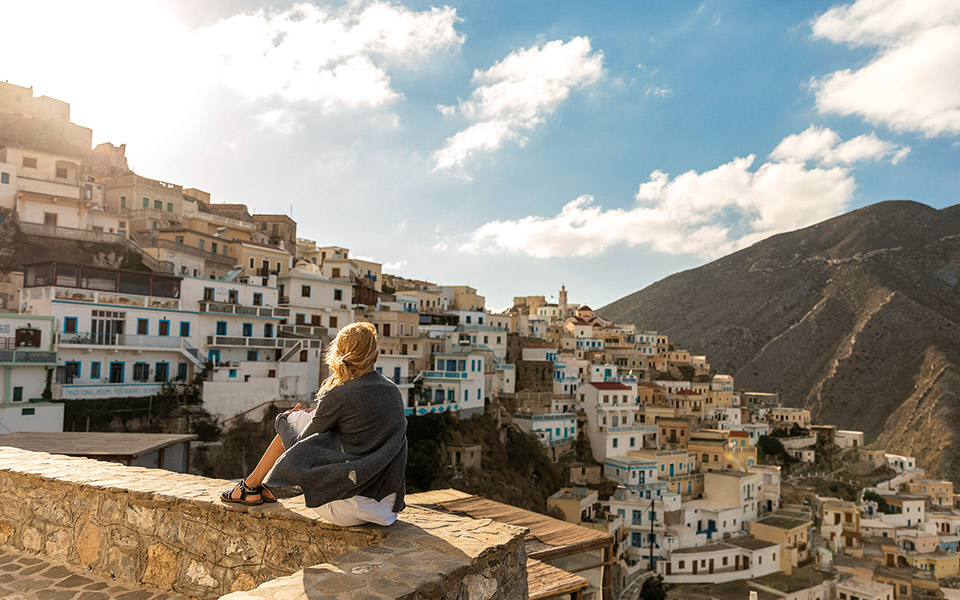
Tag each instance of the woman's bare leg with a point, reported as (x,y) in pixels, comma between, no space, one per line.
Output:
(270,456)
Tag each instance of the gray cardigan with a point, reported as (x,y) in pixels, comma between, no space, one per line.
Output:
(354,445)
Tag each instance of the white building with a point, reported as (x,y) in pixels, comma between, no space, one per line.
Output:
(120,333)
(399,369)
(735,559)
(456,383)
(613,418)
(315,301)
(27,359)
(551,429)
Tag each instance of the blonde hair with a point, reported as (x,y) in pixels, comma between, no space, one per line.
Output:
(352,353)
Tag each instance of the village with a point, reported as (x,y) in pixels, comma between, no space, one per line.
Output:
(672,471)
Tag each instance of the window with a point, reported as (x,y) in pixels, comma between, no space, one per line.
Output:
(123,201)
(182,371)
(268,330)
(213,247)
(61,173)
(208,294)
(333,321)
(29,163)
(615,442)
(233,297)
(162,371)
(202,245)
(50,219)
(247,330)
(94,370)
(257,299)
(278,266)
(338,295)
(158,204)
(252,263)
(221,328)
(70,325)
(146,202)
(305,291)
(169,206)
(164,328)
(26,412)
(184,328)
(232,373)
(141,372)
(143,327)
(252,355)
(179,239)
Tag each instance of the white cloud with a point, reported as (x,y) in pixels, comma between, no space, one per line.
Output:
(328,58)
(661,91)
(707,214)
(308,56)
(516,95)
(823,146)
(394,266)
(279,120)
(911,81)
(446,111)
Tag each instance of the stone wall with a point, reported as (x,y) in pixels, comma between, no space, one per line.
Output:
(170,531)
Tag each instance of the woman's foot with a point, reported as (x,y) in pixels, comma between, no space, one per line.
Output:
(248,495)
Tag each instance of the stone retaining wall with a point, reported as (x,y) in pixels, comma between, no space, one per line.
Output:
(170,531)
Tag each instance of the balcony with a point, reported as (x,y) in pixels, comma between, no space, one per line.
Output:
(23,357)
(60,189)
(228,341)
(230,308)
(117,340)
(315,332)
(445,374)
(151,240)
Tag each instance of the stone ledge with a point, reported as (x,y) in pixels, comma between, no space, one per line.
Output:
(171,531)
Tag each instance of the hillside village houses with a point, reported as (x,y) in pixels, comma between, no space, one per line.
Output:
(241,302)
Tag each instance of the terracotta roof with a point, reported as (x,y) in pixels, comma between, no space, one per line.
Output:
(584,308)
(609,385)
(687,393)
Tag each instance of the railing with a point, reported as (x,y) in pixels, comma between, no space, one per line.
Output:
(445,374)
(220,219)
(230,308)
(30,357)
(307,331)
(82,338)
(246,342)
(70,233)
(150,240)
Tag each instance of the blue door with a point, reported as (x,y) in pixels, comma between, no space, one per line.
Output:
(214,357)
(671,469)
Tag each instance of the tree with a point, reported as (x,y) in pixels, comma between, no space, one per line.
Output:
(882,505)
(653,589)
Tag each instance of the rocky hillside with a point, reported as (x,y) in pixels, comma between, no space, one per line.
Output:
(856,318)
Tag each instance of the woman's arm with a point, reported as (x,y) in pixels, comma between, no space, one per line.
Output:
(324,418)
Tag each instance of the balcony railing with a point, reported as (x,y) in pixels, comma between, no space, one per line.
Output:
(150,240)
(81,338)
(307,331)
(28,357)
(230,308)
(221,341)
(445,374)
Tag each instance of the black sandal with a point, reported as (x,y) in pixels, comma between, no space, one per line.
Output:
(246,490)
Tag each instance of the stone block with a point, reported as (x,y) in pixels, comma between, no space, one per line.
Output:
(161,567)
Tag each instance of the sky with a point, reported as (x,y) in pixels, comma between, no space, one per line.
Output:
(510,146)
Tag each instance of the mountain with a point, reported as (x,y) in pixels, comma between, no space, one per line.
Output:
(856,318)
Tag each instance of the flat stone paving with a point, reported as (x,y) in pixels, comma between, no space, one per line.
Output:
(30,577)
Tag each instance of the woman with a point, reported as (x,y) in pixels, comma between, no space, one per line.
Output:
(349,454)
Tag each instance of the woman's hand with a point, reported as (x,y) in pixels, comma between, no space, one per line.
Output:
(292,410)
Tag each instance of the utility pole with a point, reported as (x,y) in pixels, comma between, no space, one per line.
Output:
(653,515)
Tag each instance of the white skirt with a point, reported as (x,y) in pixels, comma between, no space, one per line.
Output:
(349,511)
